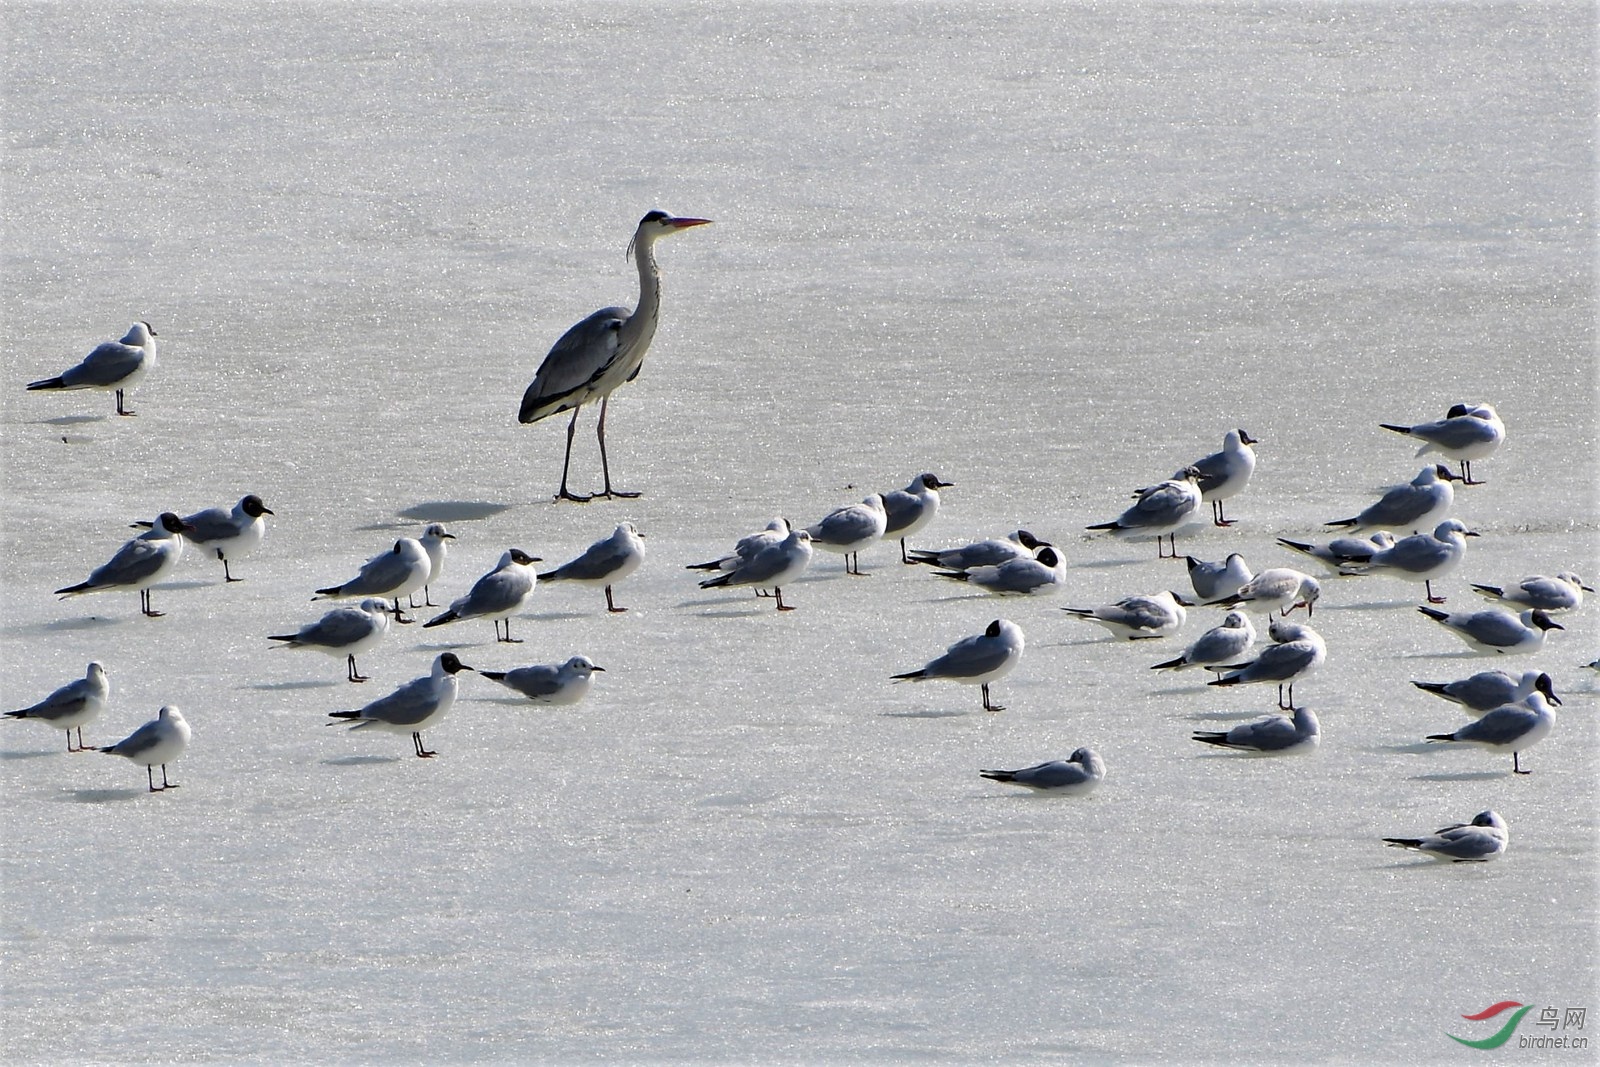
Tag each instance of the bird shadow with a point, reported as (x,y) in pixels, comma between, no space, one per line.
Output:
(308,684)
(926,713)
(1464,776)
(39,754)
(72,420)
(85,622)
(188,583)
(358,761)
(452,511)
(103,796)
(1224,716)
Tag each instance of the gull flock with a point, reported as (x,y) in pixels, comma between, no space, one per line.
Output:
(1406,534)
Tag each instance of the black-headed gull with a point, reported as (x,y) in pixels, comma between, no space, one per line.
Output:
(1160,510)
(604,563)
(1416,505)
(1298,653)
(1212,581)
(73,706)
(346,632)
(746,547)
(497,595)
(1466,433)
(848,529)
(226,533)
(1137,618)
(1225,474)
(1336,553)
(771,567)
(989,553)
(1276,589)
(1512,728)
(1487,690)
(566,683)
(416,705)
(113,366)
(139,564)
(1223,643)
(1423,558)
(433,539)
(1040,575)
(976,660)
(160,741)
(1484,838)
(1563,592)
(1271,735)
(1082,772)
(396,573)
(1495,631)
(908,510)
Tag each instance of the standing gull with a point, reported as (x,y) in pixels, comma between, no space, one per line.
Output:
(604,563)
(1419,504)
(346,632)
(1487,690)
(1420,557)
(848,529)
(159,741)
(113,366)
(1160,510)
(497,595)
(746,547)
(1511,728)
(1466,433)
(771,567)
(139,564)
(565,684)
(433,539)
(1225,474)
(976,660)
(1564,592)
(1484,838)
(910,509)
(73,706)
(603,351)
(228,534)
(1298,654)
(1276,589)
(419,703)
(1082,772)
(394,574)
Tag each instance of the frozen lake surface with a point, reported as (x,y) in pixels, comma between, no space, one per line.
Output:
(1049,252)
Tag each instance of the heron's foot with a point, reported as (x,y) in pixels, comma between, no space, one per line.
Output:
(509,640)
(609,492)
(576,498)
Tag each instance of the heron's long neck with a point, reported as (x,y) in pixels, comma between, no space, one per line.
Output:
(641,325)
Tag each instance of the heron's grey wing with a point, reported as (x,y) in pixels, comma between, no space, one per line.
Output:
(212,524)
(406,706)
(338,629)
(968,658)
(107,365)
(134,562)
(596,562)
(574,364)
(1501,726)
(496,591)
(534,682)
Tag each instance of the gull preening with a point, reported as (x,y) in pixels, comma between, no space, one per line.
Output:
(602,352)
(976,660)
(1512,728)
(566,683)
(989,553)
(771,567)
(1215,581)
(604,563)
(1225,474)
(1298,653)
(1563,592)
(1160,510)
(1421,558)
(848,529)
(1271,735)
(158,742)
(1223,643)
(418,704)
(113,366)
(1276,589)
(497,595)
(1137,618)
(346,632)
(908,510)
(1419,503)
(1082,772)
(396,573)
(1487,690)
(1038,575)
(227,533)
(1466,433)
(1484,838)
(1495,631)
(139,564)
(73,706)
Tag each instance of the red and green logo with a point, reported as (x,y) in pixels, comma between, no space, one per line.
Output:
(1504,1034)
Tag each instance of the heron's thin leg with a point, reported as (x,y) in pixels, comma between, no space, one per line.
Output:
(605,469)
(564,493)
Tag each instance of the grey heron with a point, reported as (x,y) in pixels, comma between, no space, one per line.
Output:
(602,352)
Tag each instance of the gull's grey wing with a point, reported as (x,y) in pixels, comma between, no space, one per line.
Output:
(212,524)
(64,703)
(534,682)
(1455,433)
(1138,612)
(968,658)
(597,561)
(406,706)
(379,575)
(1277,663)
(140,741)
(107,365)
(1493,628)
(1485,690)
(844,525)
(500,590)
(135,561)
(903,509)
(1501,726)
(1399,507)
(340,628)
(1218,645)
(1413,555)
(1465,842)
(1268,734)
